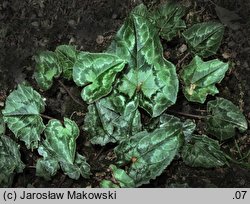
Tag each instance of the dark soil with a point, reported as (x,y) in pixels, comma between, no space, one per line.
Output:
(29,26)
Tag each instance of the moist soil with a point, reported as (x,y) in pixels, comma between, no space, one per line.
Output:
(30,26)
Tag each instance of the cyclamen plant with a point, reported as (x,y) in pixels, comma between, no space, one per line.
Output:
(129,76)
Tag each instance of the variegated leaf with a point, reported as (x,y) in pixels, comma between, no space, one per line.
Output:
(205,38)
(22,115)
(59,150)
(67,56)
(148,77)
(112,119)
(224,118)
(203,151)
(148,154)
(167,19)
(199,78)
(10,161)
(47,68)
(97,72)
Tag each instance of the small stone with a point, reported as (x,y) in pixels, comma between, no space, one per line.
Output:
(72,23)
(183,48)
(166,54)
(35,24)
(99,39)
(226,55)
(114,16)
(245,65)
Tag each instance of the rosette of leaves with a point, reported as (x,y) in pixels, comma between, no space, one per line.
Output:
(50,65)
(10,160)
(22,115)
(112,119)
(224,117)
(59,150)
(202,151)
(167,19)
(204,39)
(199,78)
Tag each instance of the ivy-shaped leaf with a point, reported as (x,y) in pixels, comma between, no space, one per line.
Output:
(97,72)
(121,178)
(205,38)
(148,154)
(203,151)
(199,78)
(22,115)
(10,161)
(112,119)
(167,19)
(47,68)
(148,77)
(224,118)
(67,56)
(59,150)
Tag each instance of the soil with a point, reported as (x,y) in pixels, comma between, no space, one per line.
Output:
(29,26)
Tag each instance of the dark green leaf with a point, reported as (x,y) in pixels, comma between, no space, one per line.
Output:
(2,125)
(200,77)
(148,77)
(22,115)
(47,68)
(224,118)
(97,72)
(188,129)
(149,153)
(60,148)
(204,38)
(112,119)
(108,184)
(203,151)
(10,161)
(121,177)
(167,19)
(67,56)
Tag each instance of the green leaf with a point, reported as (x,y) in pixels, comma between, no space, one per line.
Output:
(203,151)
(199,78)
(149,153)
(59,148)
(188,129)
(205,38)
(67,56)
(10,161)
(112,119)
(22,115)
(167,19)
(224,118)
(47,68)
(97,72)
(148,77)
(121,177)
(108,184)
(2,125)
